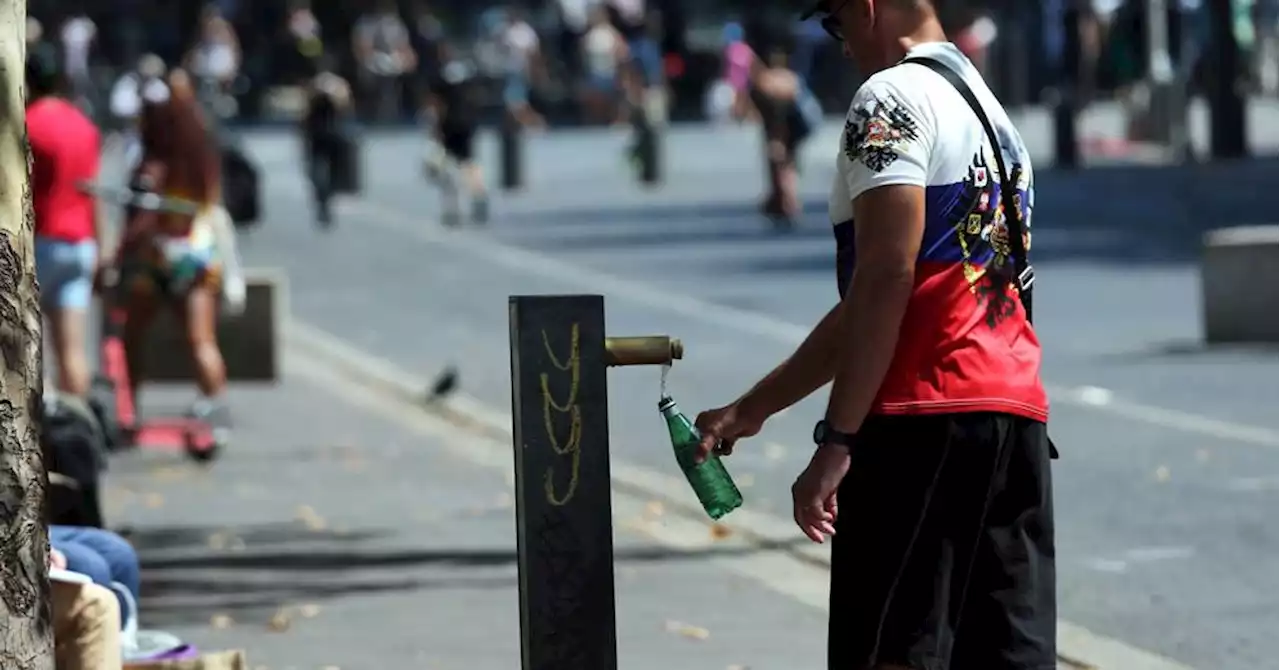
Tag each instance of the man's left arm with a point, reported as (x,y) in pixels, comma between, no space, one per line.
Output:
(887,168)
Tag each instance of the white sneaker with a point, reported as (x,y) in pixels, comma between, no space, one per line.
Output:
(234,295)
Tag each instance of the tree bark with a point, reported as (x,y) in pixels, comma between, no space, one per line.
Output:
(26,632)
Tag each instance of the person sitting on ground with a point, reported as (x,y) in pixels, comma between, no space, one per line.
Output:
(65,146)
(180,261)
(86,622)
(100,555)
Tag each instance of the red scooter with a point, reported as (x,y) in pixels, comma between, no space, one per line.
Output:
(111,391)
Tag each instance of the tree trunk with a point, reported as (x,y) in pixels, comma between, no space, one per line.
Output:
(26,632)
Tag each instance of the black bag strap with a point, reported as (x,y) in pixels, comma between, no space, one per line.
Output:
(1008,191)
(1008,181)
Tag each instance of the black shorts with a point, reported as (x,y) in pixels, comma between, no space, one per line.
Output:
(458,142)
(943,555)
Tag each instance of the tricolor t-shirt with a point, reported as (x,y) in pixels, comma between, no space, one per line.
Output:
(965,343)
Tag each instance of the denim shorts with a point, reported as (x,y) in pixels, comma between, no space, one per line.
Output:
(65,272)
(515,91)
(646,56)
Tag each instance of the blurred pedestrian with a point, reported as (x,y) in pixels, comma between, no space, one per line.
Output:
(521,53)
(574,19)
(214,62)
(126,104)
(182,262)
(455,104)
(384,55)
(303,39)
(604,53)
(931,472)
(35,32)
(326,145)
(65,148)
(78,35)
(788,115)
(740,61)
(634,21)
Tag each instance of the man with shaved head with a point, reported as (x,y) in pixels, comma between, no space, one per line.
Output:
(931,473)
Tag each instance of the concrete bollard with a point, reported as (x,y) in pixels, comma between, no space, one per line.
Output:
(250,341)
(1238,279)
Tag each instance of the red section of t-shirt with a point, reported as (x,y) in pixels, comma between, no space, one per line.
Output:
(65,150)
(960,352)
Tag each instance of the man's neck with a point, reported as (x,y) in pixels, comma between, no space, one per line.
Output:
(926,32)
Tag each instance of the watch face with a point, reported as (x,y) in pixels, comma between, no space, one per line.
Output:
(820,433)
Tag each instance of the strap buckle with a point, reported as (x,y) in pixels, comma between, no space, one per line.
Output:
(1026,278)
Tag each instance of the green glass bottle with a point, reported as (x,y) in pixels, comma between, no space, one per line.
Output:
(710,480)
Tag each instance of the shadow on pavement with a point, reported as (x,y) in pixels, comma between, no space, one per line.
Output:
(187,579)
(1060,236)
(159,539)
(744,210)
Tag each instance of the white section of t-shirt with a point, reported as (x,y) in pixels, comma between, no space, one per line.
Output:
(908,125)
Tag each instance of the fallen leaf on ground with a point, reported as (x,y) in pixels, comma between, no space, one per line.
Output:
(309,610)
(221,621)
(280,621)
(169,473)
(720,531)
(308,516)
(687,630)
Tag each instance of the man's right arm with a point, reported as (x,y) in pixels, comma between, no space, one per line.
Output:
(811,366)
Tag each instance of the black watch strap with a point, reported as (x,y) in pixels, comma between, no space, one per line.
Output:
(824,434)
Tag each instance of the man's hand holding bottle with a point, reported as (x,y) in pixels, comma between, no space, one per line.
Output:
(722,428)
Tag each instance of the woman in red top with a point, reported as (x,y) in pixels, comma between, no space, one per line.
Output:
(65,148)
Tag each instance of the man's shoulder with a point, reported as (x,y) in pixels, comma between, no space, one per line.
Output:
(901,85)
(888,113)
(58,113)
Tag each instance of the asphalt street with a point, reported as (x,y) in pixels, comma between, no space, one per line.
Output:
(1167,488)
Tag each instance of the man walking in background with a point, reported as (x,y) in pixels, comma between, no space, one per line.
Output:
(384,55)
(931,472)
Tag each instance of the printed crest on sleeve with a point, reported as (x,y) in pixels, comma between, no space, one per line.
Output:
(877,131)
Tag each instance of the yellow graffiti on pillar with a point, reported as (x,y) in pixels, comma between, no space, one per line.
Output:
(572,446)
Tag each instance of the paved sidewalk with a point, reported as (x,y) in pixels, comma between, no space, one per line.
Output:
(331,538)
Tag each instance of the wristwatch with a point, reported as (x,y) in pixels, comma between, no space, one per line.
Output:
(824,434)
